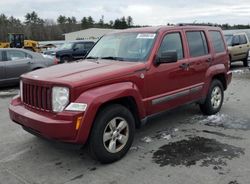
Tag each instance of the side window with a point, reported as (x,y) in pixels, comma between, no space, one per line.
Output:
(1,56)
(88,46)
(243,39)
(236,40)
(197,43)
(172,42)
(217,41)
(79,46)
(13,55)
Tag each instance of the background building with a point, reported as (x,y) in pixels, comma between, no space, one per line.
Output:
(87,34)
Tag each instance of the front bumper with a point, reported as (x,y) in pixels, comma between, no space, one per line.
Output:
(60,126)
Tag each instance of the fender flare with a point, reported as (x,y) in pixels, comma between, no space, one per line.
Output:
(211,72)
(96,97)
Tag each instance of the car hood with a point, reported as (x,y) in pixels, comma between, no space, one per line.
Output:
(84,72)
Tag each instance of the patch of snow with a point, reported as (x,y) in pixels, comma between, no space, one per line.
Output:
(238,71)
(147,139)
(166,136)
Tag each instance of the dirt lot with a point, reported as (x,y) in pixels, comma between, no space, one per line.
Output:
(175,147)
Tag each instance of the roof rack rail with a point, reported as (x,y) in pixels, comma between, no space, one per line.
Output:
(197,24)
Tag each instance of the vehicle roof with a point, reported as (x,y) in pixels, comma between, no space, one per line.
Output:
(165,28)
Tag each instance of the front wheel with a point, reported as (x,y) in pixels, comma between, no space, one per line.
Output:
(214,99)
(112,133)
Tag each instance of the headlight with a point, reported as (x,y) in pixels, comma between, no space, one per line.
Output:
(60,98)
(76,107)
(21,90)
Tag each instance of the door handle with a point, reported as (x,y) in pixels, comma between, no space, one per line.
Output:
(208,60)
(184,65)
(240,47)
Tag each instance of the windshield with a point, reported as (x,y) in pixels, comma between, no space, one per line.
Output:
(123,46)
(66,46)
(229,39)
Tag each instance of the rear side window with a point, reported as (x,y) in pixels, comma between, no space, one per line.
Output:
(243,39)
(217,41)
(79,46)
(236,40)
(13,55)
(172,42)
(88,46)
(197,43)
(1,56)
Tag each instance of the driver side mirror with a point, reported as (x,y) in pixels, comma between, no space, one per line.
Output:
(166,57)
(75,49)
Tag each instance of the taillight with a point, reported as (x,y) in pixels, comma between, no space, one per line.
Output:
(56,61)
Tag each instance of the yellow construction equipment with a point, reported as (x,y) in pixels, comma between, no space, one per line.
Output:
(16,40)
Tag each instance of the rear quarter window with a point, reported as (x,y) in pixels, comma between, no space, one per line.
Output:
(243,39)
(197,43)
(217,41)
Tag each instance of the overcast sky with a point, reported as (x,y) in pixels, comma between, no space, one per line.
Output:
(144,12)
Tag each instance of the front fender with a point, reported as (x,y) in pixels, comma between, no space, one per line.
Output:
(94,98)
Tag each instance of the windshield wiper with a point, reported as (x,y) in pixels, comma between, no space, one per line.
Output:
(113,58)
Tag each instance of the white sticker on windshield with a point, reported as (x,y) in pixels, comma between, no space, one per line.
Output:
(145,36)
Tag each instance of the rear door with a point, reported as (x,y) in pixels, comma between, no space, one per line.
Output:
(244,45)
(199,60)
(17,63)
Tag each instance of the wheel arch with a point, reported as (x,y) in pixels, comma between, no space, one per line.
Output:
(222,78)
(125,93)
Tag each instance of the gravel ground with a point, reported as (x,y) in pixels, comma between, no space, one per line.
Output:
(175,147)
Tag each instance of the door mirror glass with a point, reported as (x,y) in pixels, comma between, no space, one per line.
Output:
(167,57)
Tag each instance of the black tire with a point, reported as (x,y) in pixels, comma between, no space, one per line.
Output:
(230,60)
(65,59)
(208,108)
(245,61)
(97,147)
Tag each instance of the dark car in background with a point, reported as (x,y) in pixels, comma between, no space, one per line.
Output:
(15,62)
(72,51)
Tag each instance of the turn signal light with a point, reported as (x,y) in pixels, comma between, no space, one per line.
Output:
(78,122)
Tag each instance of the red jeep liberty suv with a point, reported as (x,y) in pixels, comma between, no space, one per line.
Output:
(126,77)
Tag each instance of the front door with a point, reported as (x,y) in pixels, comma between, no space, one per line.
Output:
(168,84)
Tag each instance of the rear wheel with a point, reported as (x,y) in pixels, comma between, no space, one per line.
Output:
(246,62)
(214,98)
(112,133)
